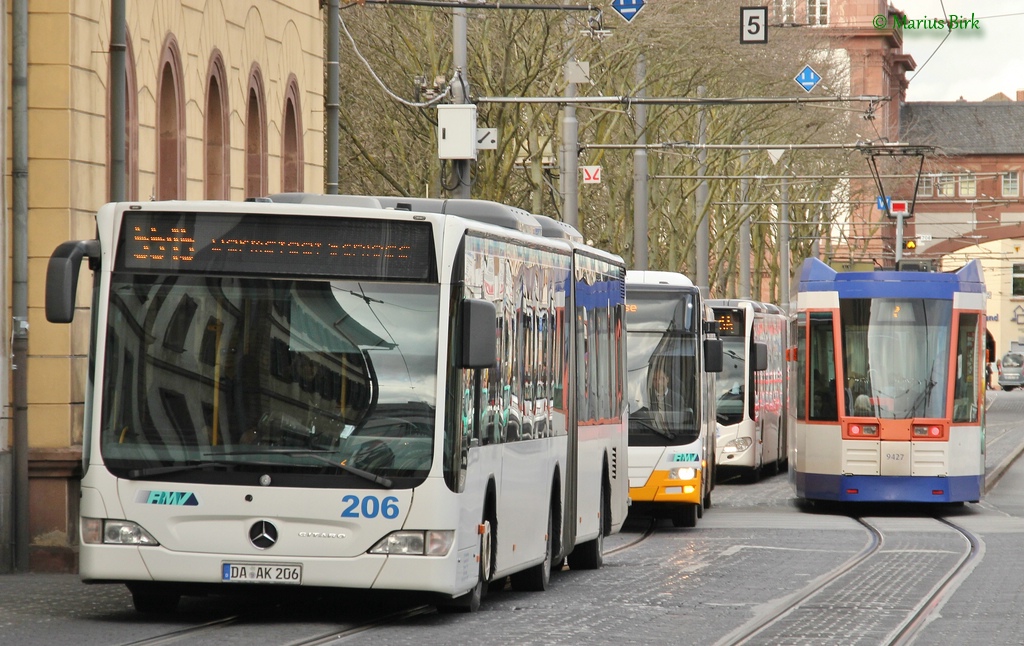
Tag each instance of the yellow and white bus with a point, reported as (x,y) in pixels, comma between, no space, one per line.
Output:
(673,354)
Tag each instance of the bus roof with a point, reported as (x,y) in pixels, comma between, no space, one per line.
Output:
(644,277)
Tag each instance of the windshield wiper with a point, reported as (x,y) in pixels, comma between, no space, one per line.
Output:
(366,475)
(191,465)
(648,426)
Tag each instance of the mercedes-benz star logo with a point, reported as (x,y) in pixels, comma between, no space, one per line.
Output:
(263,535)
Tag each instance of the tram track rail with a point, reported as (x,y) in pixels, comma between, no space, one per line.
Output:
(209,629)
(800,617)
(239,621)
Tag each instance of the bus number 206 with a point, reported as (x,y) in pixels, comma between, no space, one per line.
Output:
(370,507)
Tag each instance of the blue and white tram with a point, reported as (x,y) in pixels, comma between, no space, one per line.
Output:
(888,385)
(751,389)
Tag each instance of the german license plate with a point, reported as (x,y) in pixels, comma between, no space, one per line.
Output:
(261,573)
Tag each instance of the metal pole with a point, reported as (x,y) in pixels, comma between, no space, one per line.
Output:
(784,245)
(333,106)
(744,230)
(460,57)
(703,238)
(6,467)
(19,300)
(899,239)
(570,160)
(640,188)
(118,52)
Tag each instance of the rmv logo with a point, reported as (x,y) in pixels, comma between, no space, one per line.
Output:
(180,498)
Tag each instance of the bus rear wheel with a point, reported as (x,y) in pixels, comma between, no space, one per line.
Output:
(590,555)
(537,577)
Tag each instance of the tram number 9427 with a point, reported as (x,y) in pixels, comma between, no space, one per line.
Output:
(896,456)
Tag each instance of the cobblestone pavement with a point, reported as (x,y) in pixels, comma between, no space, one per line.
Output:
(685,586)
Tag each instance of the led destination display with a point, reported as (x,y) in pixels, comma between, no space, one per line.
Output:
(231,243)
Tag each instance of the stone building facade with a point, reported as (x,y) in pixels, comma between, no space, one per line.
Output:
(225,100)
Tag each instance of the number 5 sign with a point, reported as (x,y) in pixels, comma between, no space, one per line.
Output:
(753,25)
(591,174)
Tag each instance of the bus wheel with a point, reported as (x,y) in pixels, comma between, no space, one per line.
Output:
(536,578)
(154,598)
(684,515)
(470,602)
(590,555)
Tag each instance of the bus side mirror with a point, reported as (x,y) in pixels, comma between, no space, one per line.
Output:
(62,277)
(713,355)
(760,356)
(479,334)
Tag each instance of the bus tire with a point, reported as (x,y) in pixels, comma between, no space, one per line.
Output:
(470,602)
(590,555)
(685,515)
(154,598)
(536,577)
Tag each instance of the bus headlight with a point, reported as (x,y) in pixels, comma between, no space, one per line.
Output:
(422,543)
(682,473)
(739,445)
(115,532)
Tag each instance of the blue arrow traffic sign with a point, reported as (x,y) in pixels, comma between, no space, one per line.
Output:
(628,9)
(807,78)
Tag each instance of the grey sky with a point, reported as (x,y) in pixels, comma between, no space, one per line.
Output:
(972,63)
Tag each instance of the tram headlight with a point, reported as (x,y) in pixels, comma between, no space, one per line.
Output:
(739,445)
(421,543)
(115,532)
(682,473)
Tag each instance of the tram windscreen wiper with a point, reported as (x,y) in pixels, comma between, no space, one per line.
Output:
(316,455)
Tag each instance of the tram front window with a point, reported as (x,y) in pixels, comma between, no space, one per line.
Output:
(316,383)
(896,356)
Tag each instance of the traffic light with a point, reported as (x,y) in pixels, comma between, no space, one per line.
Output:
(910,245)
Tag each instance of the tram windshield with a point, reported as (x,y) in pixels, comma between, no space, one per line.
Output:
(895,356)
(662,340)
(308,382)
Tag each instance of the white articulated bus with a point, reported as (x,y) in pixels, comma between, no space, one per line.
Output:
(673,355)
(751,389)
(345,391)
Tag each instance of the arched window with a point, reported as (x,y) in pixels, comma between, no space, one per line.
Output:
(170,123)
(291,147)
(131,125)
(216,163)
(255,137)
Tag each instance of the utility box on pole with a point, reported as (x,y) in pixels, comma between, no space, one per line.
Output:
(456,131)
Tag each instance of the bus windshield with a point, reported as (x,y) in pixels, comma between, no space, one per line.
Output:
(308,382)
(896,356)
(729,388)
(662,368)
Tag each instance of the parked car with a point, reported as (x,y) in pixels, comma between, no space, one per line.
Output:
(1011,371)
